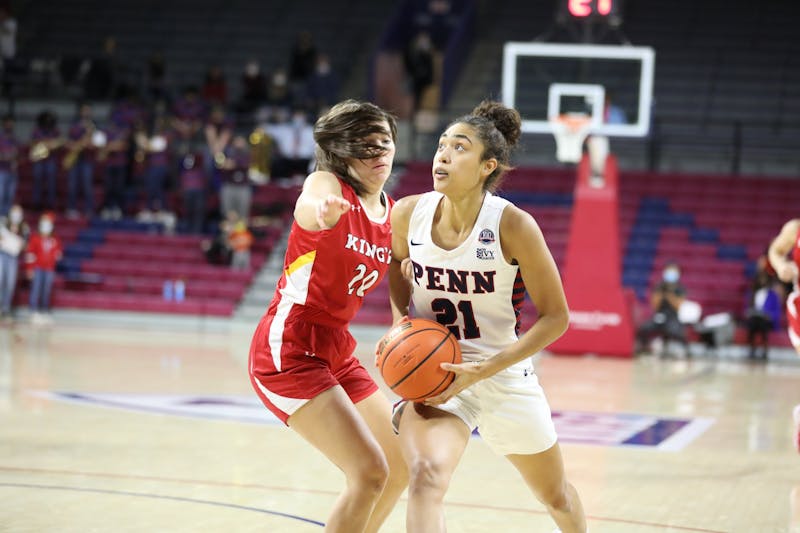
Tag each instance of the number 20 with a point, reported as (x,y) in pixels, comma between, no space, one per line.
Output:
(367,280)
(447,314)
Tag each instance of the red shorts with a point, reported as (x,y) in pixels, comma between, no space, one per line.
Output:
(793,318)
(294,362)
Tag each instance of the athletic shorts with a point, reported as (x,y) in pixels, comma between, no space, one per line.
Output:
(294,362)
(793,318)
(509,410)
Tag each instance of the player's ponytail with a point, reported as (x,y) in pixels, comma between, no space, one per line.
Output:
(499,128)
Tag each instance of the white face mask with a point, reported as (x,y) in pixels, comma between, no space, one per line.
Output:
(15,216)
(46,227)
(671,275)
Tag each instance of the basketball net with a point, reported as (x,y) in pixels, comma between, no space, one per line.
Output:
(570,130)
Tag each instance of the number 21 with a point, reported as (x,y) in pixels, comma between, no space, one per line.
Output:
(447,314)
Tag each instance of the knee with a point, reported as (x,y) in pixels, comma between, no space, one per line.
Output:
(427,477)
(372,473)
(555,497)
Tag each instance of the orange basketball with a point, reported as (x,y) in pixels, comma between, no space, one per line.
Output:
(409,358)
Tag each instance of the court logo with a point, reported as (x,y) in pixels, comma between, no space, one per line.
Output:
(486,236)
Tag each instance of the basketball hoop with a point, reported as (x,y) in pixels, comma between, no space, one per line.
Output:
(570,130)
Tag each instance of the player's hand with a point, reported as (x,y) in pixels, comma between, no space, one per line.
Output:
(407,269)
(466,375)
(385,339)
(330,209)
(787,271)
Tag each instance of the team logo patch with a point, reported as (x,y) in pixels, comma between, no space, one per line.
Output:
(483,253)
(486,236)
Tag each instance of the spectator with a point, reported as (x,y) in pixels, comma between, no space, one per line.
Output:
(323,85)
(156,81)
(253,87)
(236,193)
(218,131)
(14,234)
(295,145)
(103,75)
(79,163)
(438,20)
(240,240)
(156,149)
(763,311)
(189,116)
(665,302)
(9,152)
(115,155)
(42,255)
(302,59)
(279,97)
(215,88)
(419,62)
(45,140)
(217,250)
(8,47)
(193,190)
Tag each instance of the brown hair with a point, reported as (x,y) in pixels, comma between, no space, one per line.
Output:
(499,129)
(341,134)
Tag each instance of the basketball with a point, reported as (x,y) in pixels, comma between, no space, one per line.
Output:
(409,357)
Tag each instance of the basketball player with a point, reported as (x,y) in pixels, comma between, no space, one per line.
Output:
(788,240)
(301,358)
(469,256)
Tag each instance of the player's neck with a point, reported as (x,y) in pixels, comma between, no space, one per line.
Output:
(458,215)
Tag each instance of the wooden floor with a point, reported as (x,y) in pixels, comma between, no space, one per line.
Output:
(146,429)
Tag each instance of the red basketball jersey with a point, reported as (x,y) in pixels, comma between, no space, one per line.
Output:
(327,273)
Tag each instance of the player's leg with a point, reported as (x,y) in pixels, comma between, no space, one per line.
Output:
(433,442)
(331,423)
(544,474)
(377,413)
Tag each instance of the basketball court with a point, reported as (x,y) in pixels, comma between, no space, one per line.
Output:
(156,428)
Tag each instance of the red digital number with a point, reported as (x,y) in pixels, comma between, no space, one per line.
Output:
(580,8)
(584,8)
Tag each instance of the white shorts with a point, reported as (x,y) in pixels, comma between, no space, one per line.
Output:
(510,411)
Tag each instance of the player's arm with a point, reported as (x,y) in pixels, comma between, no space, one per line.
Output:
(523,243)
(780,247)
(320,204)
(400,287)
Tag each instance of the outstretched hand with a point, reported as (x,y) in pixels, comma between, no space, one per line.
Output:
(466,375)
(330,209)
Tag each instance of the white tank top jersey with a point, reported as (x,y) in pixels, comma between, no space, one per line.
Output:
(471,289)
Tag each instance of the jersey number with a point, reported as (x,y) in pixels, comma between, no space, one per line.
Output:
(363,280)
(447,314)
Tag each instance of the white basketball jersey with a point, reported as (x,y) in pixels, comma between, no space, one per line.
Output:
(471,289)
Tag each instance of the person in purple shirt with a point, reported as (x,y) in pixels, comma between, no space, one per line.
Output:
(235,192)
(79,162)
(45,140)
(157,147)
(116,160)
(9,150)
(218,131)
(189,114)
(193,189)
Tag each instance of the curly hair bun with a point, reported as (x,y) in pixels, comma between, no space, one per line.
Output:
(505,119)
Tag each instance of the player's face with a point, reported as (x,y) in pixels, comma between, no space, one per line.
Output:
(457,164)
(374,172)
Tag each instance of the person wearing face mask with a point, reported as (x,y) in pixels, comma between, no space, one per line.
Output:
(43,253)
(14,233)
(665,301)
(9,150)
